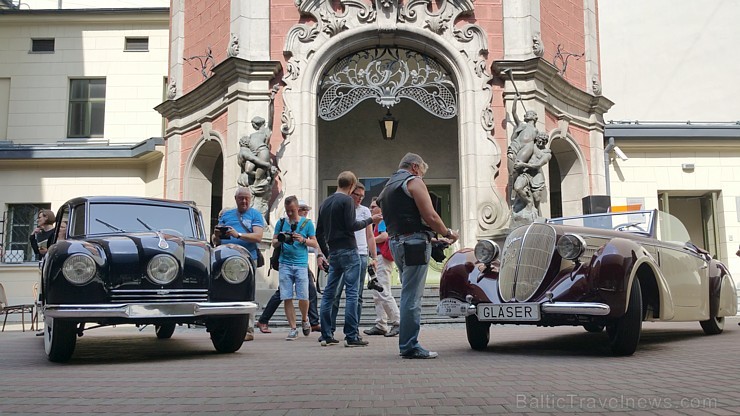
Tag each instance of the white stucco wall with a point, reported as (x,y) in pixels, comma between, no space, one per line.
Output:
(652,170)
(670,60)
(39,82)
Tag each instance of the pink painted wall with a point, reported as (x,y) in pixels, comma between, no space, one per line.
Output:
(562,22)
(207,24)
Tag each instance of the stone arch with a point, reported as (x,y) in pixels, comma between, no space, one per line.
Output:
(571,173)
(203,176)
(463,51)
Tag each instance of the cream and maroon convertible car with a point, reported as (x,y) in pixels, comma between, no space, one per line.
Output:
(599,271)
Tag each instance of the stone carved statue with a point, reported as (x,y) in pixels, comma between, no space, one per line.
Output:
(529,183)
(526,155)
(254,159)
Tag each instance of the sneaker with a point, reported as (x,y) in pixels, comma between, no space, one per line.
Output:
(420,354)
(306,328)
(359,342)
(264,328)
(292,335)
(394,331)
(375,331)
(328,342)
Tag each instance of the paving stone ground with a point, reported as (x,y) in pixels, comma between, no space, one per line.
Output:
(525,370)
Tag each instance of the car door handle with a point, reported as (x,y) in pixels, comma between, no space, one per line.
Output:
(704,266)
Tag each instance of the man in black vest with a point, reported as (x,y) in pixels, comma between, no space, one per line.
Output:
(411,220)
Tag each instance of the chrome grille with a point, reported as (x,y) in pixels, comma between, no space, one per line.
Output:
(526,257)
(158,295)
(509,260)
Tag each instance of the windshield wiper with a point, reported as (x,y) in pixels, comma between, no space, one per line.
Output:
(144,224)
(112,227)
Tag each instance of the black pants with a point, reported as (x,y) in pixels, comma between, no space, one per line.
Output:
(274,303)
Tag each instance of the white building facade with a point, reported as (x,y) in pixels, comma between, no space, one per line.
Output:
(77,91)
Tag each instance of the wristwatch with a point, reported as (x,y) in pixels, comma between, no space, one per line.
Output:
(239,235)
(449,233)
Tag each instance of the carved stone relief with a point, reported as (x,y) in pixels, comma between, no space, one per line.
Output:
(396,20)
(538,49)
(233,49)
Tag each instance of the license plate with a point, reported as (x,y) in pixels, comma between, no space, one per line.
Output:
(512,312)
(452,307)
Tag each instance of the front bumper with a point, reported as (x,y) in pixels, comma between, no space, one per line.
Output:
(150,310)
(453,308)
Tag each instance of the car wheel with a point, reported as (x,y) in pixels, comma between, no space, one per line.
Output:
(227,334)
(624,333)
(164,331)
(595,328)
(479,333)
(60,338)
(714,325)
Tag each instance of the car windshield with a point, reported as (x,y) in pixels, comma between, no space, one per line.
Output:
(106,218)
(635,221)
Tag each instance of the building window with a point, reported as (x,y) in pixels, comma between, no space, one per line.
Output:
(136,44)
(42,45)
(86,108)
(18,224)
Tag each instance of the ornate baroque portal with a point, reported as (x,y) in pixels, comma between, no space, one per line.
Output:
(387,74)
(374,34)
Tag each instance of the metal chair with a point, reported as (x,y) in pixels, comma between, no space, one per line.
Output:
(10,309)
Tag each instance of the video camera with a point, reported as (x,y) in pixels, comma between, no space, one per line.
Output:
(438,251)
(373,284)
(286,238)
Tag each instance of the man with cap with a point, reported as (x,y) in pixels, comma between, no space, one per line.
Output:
(274,302)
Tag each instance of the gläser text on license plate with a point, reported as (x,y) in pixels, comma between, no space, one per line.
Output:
(529,312)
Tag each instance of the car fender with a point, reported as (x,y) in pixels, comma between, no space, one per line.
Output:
(721,284)
(618,263)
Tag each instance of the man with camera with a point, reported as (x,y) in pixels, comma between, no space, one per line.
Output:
(274,302)
(365,246)
(386,309)
(294,234)
(335,233)
(244,226)
(411,221)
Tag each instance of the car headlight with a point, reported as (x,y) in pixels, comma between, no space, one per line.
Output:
(486,251)
(162,269)
(79,269)
(235,270)
(571,246)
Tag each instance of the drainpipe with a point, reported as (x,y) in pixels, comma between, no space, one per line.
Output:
(609,147)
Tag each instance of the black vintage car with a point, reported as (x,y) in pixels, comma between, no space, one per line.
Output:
(117,260)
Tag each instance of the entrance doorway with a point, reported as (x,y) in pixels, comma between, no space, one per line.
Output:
(697,210)
(204,183)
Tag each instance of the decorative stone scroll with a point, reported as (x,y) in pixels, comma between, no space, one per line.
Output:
(387,74)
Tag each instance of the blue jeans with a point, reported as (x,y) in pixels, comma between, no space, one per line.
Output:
(413,280)
(343,264)
(338,294)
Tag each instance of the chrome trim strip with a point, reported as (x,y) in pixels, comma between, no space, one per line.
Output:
(576,308)
(150,310)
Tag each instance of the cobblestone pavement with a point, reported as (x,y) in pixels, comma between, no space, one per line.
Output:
(564,370)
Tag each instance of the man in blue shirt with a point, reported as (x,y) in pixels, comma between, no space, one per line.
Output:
(244,224)
(294,234)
